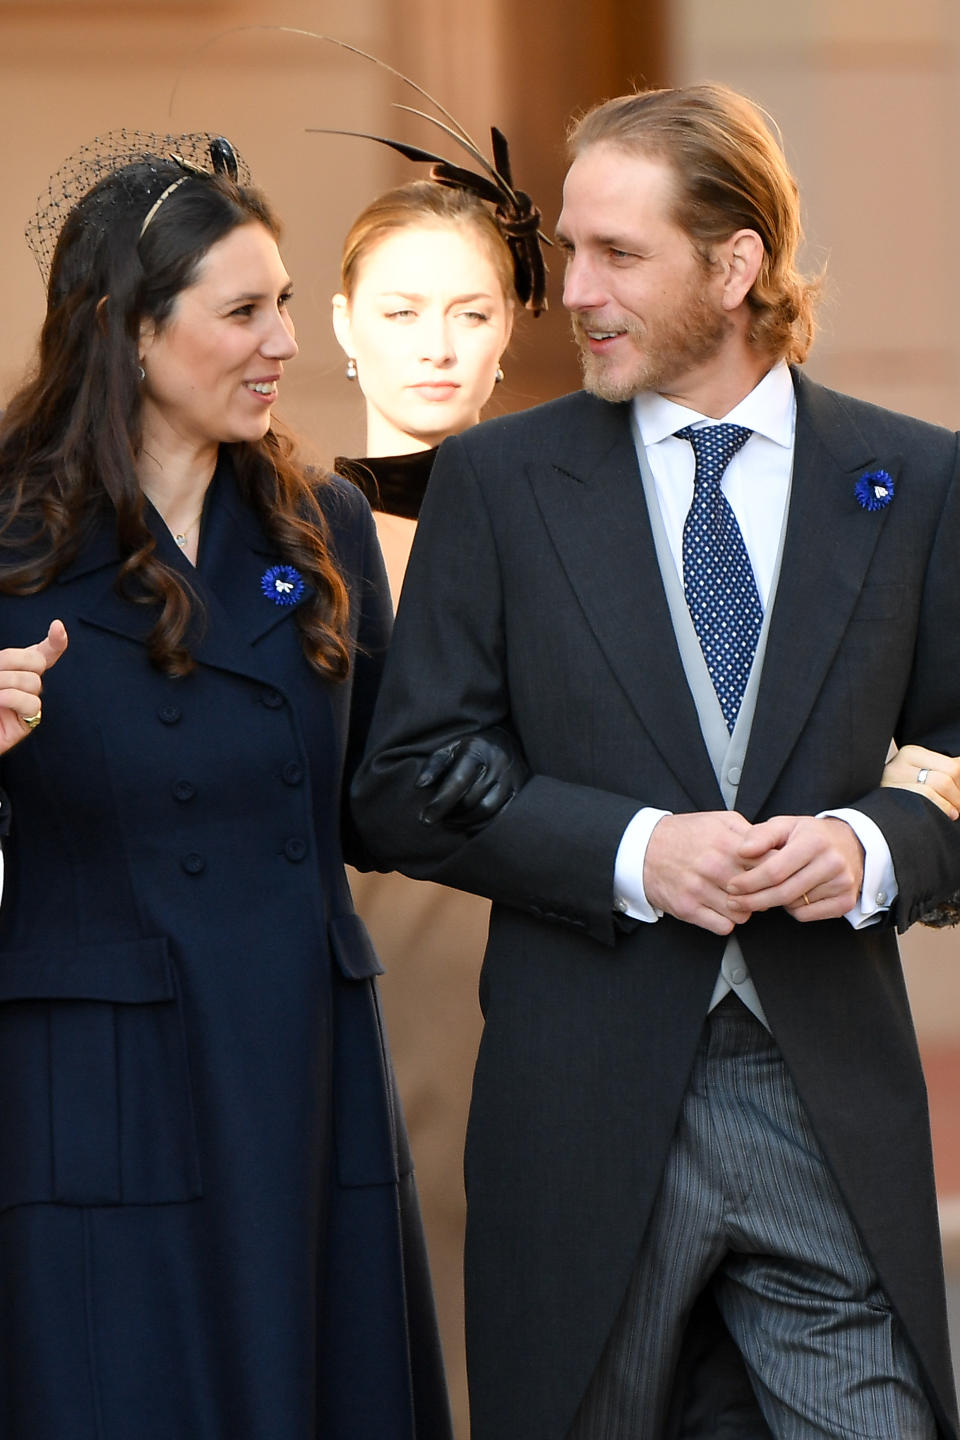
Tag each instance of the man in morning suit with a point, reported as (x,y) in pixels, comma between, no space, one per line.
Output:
(703,596)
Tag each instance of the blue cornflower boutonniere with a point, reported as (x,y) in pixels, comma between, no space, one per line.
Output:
(874,491)
(282,584)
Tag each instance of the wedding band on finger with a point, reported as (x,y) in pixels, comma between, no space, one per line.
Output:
(806,898)
(32,721)
(922,775)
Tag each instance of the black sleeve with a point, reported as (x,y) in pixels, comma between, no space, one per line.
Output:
(551,851)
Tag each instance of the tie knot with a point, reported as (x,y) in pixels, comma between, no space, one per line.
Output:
(714,446)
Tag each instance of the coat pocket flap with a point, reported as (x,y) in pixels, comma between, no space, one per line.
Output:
(353,948)
(133,972)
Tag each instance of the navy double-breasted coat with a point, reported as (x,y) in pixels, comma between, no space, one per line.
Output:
(207,1224)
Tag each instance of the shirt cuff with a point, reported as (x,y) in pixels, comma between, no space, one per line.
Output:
(879,877)
(628,893)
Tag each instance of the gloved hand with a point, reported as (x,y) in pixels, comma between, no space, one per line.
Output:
(477,776)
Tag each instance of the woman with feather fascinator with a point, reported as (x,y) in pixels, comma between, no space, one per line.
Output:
(433,275)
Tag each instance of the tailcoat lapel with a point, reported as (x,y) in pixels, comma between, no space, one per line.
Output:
(591,498)
(830,540)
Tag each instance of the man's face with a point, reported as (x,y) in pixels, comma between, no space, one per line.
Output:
(646,308)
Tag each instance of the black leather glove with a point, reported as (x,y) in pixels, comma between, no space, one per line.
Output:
(477,776)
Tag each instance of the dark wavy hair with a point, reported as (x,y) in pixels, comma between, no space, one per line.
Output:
(70,437)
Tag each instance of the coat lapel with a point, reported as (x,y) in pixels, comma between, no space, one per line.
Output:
(830,540)
(233,558)
(591,498)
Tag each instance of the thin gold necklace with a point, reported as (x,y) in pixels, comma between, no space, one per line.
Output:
(181,535)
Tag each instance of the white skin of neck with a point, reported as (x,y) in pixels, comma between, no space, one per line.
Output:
(175,479)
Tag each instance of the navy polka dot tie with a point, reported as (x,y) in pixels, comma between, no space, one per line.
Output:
(717,576)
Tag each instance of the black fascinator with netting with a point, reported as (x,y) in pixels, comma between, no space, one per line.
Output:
(146,168)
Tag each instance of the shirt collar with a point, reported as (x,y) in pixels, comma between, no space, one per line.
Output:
(770,410)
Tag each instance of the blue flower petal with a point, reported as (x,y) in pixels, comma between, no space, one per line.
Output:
(875,490)
(282,584)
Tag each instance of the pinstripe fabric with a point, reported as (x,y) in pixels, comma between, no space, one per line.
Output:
(747,1198)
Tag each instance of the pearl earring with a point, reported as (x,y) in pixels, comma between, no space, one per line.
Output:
(351,369)
(499,375)
(141,374)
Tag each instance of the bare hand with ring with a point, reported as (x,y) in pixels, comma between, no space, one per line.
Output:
(935,776)
(21,683)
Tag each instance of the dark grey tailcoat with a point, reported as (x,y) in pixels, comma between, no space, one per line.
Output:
(534,599)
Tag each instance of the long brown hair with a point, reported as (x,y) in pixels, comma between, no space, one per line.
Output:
(70,437)
(729,174)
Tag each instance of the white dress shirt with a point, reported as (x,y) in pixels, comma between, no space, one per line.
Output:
(756,484)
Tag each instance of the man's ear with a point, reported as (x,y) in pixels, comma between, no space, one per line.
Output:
(740,257)
(341,324)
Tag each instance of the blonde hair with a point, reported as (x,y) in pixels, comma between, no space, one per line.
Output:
(423,202)
(730,174)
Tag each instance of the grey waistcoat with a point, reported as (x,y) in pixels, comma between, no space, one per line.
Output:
(726,750)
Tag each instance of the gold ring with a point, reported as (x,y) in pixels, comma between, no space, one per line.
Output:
(32,721)
(806,898)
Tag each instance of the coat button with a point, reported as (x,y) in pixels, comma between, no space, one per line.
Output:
(272,699)
(183,790)
(295,849)
(193,863)
(169,714)
(292,773)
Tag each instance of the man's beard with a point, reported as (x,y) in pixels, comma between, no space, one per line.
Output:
(663,354)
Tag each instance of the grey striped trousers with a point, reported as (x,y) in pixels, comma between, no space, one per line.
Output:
(748,1200)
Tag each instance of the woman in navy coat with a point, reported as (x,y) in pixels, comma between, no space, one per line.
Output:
(208,1229)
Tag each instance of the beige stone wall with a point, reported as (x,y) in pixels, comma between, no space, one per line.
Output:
(866,94)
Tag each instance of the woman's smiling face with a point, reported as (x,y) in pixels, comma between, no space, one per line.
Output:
(213,367)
